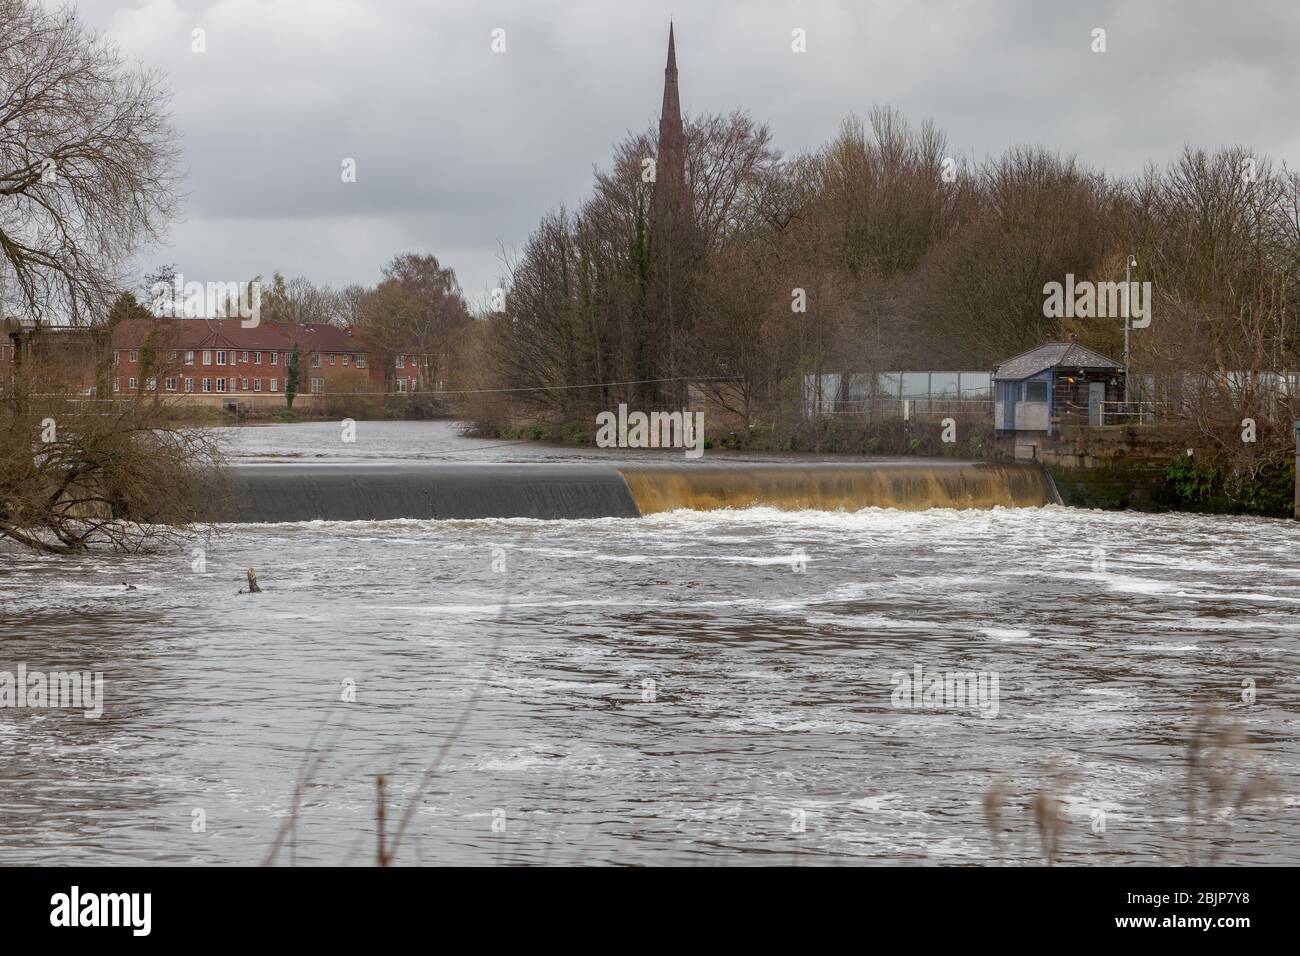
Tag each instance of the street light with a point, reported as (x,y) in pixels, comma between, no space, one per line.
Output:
(1129,266)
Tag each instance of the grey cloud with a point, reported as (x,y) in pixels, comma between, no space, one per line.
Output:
(460,151)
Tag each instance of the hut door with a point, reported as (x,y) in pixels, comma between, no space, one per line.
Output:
(1096,395)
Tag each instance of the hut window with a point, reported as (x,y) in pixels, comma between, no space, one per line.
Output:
(1036,391)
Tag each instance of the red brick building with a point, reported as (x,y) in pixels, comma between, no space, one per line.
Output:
(219,361)
(66,357)
(215,360)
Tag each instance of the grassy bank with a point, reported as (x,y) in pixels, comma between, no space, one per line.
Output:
(334,408)
(830,435)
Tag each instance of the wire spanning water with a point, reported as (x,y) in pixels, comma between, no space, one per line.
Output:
(683,688)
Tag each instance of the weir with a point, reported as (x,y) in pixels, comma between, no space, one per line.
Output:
(376,492)
(833,486)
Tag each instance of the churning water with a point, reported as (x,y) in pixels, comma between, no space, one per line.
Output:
(686,688)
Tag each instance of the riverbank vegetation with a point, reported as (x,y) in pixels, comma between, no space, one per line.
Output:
(76,473)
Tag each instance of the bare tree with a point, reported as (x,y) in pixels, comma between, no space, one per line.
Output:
(87,163)
(417,309)
(75,473)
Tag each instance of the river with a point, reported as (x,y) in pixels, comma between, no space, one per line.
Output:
(687,688)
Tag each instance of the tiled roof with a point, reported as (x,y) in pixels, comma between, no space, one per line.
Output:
(231,334)
(325,338)
(1051,355)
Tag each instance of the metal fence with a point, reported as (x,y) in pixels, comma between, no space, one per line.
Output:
(898,394)
(1129,413)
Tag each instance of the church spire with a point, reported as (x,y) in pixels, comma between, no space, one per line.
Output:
(670,117)
(670,255)
(671,161)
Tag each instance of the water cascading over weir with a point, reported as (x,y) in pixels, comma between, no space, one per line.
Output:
(376,492)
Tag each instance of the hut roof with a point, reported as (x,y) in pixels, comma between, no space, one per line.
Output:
(1051,355)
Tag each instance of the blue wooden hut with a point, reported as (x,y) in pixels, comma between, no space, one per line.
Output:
(1056,383)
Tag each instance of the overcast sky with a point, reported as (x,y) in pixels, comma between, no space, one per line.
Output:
(459,150)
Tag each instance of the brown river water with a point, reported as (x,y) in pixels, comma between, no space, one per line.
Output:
(689,688)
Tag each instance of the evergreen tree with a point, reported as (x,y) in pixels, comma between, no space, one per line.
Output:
(293,376)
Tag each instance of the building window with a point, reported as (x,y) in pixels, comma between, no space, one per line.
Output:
(333,358)
(401,385)
(221,385)
(116,356)
(130,383)
(135,355)
(275,357)
(1035,391)
(274,382)
(315,360)
(189,385)
(244,358)
(221,359)
(244,386)
(318,385)
(175,355)
(170,384)
(152,384)
(345,359)
(257,384)
(257,358)
(207,357)
(401,361)
(189,358)
(361,361)
(117,384)
(207,385)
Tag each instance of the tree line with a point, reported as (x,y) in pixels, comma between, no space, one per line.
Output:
(883,250)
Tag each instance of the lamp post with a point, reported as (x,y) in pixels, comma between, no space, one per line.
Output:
(1295,428)
(1129,266)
